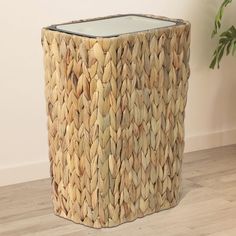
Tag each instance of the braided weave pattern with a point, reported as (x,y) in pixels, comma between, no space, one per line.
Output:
(116,122)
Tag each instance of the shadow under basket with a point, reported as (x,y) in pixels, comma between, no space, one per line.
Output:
(116,90)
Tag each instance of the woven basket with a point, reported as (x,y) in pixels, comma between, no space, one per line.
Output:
(116,122)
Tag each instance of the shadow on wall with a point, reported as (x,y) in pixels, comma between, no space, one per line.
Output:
(202,15)
(211,96)
(224,112)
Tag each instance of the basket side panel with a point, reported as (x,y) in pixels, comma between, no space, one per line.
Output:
(72,128)
(152,70)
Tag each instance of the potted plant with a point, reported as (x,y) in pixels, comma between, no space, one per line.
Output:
(227,39)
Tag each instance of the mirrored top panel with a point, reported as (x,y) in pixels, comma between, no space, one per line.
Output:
(114,26)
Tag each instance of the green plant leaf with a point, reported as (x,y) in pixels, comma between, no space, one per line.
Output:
(213,63)
(229,47)
(227,43)
(234,48)
(220,55)
(218,18)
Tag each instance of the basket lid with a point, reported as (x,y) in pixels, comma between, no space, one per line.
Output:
(113,25)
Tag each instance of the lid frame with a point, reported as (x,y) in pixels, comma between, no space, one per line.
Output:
(54,26)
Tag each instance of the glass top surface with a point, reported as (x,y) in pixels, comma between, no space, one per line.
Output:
(113,26)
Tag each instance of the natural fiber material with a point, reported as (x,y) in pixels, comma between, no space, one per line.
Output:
(116,122)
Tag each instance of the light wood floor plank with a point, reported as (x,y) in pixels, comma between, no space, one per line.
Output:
(207,208)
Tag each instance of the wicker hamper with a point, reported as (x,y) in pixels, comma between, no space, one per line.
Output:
(115,108)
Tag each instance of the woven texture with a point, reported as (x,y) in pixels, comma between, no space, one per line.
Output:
(116,122)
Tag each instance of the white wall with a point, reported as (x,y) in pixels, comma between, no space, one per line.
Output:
(211,112)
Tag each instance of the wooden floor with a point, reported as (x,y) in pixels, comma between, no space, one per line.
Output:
(208,205)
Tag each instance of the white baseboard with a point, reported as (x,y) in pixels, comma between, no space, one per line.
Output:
(24,173)
(40,170)
(212,140)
